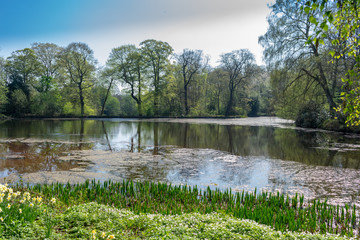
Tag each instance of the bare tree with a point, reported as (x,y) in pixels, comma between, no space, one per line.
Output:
(239,66)
(191,63)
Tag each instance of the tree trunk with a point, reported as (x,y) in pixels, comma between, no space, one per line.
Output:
(186,100)
(81,100)
(324,84)
(139,97)
(229,107)
(156,102)
(106,97)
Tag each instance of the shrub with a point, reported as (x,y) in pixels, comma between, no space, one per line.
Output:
(311,115)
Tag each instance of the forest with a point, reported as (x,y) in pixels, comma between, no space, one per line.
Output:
(306,76)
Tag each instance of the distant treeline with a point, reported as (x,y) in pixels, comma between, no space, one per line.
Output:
(302,77)
(149,80)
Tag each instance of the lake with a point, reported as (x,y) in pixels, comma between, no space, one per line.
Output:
(266,153)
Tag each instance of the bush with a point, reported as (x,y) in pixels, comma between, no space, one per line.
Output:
(311,115)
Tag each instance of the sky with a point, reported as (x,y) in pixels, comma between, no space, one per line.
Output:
(214,26)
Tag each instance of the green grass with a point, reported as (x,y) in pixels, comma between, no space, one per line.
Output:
(157,210)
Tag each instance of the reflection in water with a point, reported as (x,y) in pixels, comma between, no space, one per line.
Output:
(253,153)
(314,148)
(18,157)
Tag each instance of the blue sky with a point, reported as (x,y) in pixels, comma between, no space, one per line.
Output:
(214,26)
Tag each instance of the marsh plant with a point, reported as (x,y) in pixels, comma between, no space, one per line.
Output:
(279,211)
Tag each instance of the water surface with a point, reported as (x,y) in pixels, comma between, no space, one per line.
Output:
(266,153)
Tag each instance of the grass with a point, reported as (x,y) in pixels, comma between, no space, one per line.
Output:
(144,210)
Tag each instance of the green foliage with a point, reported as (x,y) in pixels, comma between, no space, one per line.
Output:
(65,81)
(311,115)
(72,109)
(283,213)
(19,103)
(127,106)
(47,103)
(112,107)
(345,21)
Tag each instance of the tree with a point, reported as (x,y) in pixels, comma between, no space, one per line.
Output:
(22,67)
(191,63)
(285,50)
(127,64)
(3,88)
(79,62)
(156,55)
(218,83)
(106,77)
(342,16)
(238,65)
(48,56)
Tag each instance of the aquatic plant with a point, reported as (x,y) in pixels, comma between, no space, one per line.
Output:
(282,212)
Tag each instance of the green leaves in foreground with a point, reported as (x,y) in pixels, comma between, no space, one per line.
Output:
(78,222)
(282,212)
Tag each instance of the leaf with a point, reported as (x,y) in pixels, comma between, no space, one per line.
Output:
(334,42)
(314,6)
(307,10)
(331,18)
(332,53)
(324,26)
(313,20)
(321,42)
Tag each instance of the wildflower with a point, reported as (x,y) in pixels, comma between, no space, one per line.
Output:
(93,234)
(39,199)
(111,237)
(8,206)
(1,199)
(53,200)
(2,219)
(103,234)
(31,204)
(20,211)
(9,197)
(44,210)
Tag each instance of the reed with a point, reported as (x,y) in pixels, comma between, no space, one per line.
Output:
(282,212)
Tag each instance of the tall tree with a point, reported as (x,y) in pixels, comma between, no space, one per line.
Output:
(79,62)
(239,66)
(127,64)
(22,67)
(191,63)
(48,56)
(343,18)
(156,54)
(285,49)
